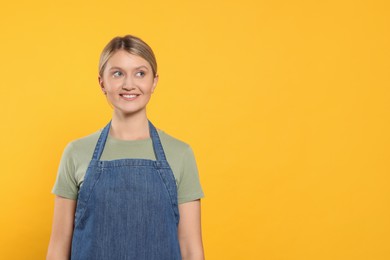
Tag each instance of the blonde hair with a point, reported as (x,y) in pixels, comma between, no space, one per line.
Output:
(131,44)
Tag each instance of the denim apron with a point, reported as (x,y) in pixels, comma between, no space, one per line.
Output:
(127,208)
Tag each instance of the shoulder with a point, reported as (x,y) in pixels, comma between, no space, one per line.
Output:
(87,140)
(179,154)
(173,144)
(82,146)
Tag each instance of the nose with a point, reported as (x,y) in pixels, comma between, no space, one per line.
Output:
(128,84)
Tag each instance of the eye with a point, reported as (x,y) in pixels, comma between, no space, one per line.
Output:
(140,74)
(117,74)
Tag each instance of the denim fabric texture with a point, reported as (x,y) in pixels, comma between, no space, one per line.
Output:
(127,208)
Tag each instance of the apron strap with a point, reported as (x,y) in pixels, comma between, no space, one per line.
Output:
(157,146)
(101,142)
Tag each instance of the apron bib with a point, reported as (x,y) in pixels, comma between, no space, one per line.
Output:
(127,208)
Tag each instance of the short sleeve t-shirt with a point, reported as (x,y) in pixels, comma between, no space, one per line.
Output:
(77,156)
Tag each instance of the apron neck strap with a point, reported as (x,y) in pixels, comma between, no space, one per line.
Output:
(157,146)
(101,142)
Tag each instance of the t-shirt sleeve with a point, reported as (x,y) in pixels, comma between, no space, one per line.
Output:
(189,187)
(66,184)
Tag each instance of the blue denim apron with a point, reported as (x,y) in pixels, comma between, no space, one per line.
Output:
(127,208)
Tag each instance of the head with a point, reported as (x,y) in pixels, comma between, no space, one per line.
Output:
(127,74)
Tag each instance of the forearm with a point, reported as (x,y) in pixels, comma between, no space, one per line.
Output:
(191,249)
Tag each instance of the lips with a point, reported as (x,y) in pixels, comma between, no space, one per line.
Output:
(129,96)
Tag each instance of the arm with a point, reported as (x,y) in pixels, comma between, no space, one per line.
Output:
(190,232)
(62,231)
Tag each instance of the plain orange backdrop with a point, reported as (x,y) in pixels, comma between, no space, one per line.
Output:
(285,103)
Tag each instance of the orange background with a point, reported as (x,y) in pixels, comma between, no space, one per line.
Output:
(285,103)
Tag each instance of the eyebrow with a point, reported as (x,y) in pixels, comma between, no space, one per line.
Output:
(136,68)
(142,66)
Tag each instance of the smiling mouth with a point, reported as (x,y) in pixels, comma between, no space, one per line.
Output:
(129,96)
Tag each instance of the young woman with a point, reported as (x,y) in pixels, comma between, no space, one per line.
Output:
(129,190)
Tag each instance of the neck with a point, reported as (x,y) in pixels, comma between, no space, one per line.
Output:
(129,127)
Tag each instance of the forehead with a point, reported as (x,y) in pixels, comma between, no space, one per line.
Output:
(126,60)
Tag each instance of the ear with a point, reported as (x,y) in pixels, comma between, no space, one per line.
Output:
(100,80)
(155,80)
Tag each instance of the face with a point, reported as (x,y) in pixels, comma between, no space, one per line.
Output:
(128,82)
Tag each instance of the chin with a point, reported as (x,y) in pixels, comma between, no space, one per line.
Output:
(130,112)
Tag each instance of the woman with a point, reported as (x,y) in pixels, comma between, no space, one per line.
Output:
(128,191)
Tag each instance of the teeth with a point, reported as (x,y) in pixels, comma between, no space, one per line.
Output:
(129,96)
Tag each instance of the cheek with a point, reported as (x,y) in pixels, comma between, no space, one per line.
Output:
(149,85)
(111,84)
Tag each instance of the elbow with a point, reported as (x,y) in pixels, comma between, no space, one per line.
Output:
(192,255)
(53,254)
